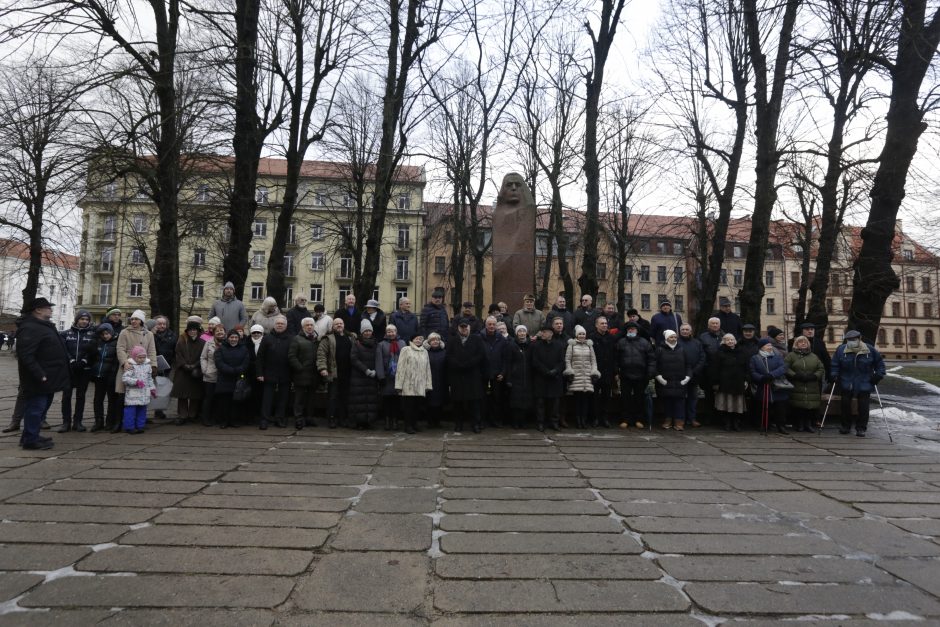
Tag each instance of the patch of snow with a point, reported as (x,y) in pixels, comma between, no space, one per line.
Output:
(103,547)
(68,571)
(895,615)
(927,386)
(8,607)
(711,621)
(900,415)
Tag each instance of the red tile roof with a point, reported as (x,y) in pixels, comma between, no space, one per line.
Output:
(19,250)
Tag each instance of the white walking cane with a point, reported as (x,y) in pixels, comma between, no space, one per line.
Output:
(823,421)
(884,415)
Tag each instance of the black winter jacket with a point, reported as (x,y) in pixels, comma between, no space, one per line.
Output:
(106,360)
(232,363)
(605,350)
(165,344)
(294,316)
(636,360)
(548,367)
(495,353)
(697,356)
(673,366)
(438,358)
(273,363)
(730,370)
(466,368)
(363,390)
(519,373)
(81,346)
(434,320)
(40,352)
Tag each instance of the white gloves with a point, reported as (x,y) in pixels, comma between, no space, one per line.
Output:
(370,374)
(685,380)
(660,380)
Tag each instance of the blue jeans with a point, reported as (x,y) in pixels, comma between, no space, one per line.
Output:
(34,414)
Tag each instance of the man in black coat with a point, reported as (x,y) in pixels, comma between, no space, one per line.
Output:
(605,351)
(82,348)
(466,314)
(434,317)
(295,316)
(349,314)
(273,370)
(548,367)
(43,366)
(466,372)
(643,326)
(636,365)
(495,345)
(730,321)
(585,314)
(560,310)
(711,341)
(697,356)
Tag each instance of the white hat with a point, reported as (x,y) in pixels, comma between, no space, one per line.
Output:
(668,333)
(579,329)
(372,303)
(256,328)
(140,315)
(365,325)
(215,320)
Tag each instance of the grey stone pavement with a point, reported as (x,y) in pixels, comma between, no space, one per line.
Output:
(197,526)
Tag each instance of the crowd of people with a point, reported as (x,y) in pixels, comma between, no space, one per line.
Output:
(363,368)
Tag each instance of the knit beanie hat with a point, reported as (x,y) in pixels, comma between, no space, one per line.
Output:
(578,329)
(365,325)
(138,351)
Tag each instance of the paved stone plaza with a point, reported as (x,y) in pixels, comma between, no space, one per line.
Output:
(197,526)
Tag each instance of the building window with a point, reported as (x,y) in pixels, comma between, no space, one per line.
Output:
(601,299)
(198,289)
(912,310)
(136,288)
(925,285)
(882,337)
(400,293)
(201,228)
(288,265)
(601,271)
(645,274)
(928,338)
(345,268)
(928,310)
(316,293)
(439,264)
(794,280)
(404,237)
(291,235)
(289,295)
(738,277)
(317,262)
(908,254)
(795,304)
(661,274)
(846,306)
(449,237)
(660,299)
(141,223)
(109,227)
(829,306)
(677,248)
(643,246)
(896,309)
(769,278)
(737,252)
(199,257)
(628,300)
(678,274)
(913,339)
(723,276)
(831,333)
(261,195)
(347,234)
(257,259)
(771,306)
(316,231)
(104,294)
(645,302)
(260,227)
(319,198)
(202,193)
(375,292)
(679,302)
(349,200)
(257,291)
(541,265)
(797,250)
(661,248)
(898,337)
(107,259)
(909,284)
(628,273)
(404,202)
(401,269)
(344,290)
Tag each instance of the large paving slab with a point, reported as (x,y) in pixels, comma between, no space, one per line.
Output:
(186,526)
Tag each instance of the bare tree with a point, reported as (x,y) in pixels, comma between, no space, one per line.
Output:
(706,75)
(602,38)
(837,65)
(43,159)
(112,27)
(413,26)
(320,41)
(549,126)
(874,279)
(769,92)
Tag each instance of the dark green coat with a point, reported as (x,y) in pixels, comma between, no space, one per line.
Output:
(806,391)
(302,355)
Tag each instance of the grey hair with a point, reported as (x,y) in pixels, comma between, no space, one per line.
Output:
(280,317)
(727,335)
(306,320)
(716,319)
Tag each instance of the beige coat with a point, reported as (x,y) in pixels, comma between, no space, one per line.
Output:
(413,377)
(127,340)
(210,374)
(581,365)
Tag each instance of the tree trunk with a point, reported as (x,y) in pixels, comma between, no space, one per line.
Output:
(610,19)
(767,118)
(874,279)
(246,144)
(35,258)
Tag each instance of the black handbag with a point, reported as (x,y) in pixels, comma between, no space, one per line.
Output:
(242,390)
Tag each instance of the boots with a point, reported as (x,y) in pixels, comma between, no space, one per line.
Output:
(389,425)
(807,426)
(736,423)
(78,426)
(781,427)
(66,426)
(13,426)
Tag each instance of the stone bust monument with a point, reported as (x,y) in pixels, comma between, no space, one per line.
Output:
(513,241)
